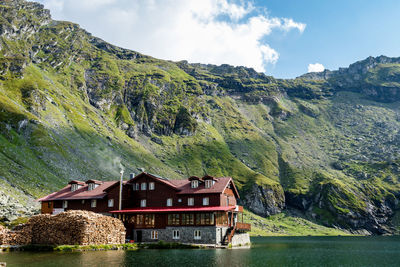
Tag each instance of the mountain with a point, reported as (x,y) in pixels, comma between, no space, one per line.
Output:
(72,106)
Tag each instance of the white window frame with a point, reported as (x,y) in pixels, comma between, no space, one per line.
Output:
(143,203)
(91,186)
(191,201)
(143,186)
(197,235)
(154,235)
(209,183)
(169,202)
(151,186)
(137,186)
(93,203)
(176,234)
(65,204)
(194,183)
(111,203)
(74,187)
(206,201)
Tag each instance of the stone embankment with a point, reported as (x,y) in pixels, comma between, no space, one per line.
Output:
(67,228)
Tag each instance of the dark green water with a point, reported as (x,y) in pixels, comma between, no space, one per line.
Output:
(265,251)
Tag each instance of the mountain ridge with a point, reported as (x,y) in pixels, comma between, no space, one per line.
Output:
(74,106)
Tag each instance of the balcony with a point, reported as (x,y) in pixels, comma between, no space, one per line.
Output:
(243,227)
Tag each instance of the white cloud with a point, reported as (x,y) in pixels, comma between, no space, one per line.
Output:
(317,67)
(207,31)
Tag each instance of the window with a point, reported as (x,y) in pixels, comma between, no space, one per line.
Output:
(197,234)
(188,219)
(137,186)
(173,219)
(91,186)
(139,219)
(93,203)
(205,219)
(143,186)
(134,187)
(154,234)
(169,202)
(74,187)
(175,234)
(222,218)
(209,183)
(149,219)
(151,186)
(179,200)
(49,205)
(111,203)
(190,201)
(83,201)
(65,204)
(206,201)
(143,203)
(195,183)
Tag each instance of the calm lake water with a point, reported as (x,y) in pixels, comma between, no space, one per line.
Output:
(265,251)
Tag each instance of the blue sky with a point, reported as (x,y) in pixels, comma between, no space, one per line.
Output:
(278,37)
(338,33)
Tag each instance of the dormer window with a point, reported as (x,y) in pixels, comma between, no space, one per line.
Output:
(209,183)
(74,187)
(91,186)
(195,183)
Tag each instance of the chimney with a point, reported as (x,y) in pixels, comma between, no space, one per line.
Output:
(131,175)
(120,190)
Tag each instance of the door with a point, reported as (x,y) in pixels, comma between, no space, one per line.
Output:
(139,236)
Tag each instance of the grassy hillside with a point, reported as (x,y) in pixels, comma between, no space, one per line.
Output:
(75,107)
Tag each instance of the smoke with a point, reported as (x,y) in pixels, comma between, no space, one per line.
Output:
(121,167)
(109,162)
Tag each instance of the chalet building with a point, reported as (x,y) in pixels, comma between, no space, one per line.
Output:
(195,210)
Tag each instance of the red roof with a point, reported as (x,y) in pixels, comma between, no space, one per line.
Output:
(156,177)
(184,187)
(175,209)
(81,193)
(219,186)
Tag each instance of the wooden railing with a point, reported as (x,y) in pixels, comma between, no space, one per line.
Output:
(243,226)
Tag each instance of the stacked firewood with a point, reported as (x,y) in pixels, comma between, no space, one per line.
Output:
(67,228)
(20,236)
(3,232)
(77,228)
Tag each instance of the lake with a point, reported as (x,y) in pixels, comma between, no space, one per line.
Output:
(265,251)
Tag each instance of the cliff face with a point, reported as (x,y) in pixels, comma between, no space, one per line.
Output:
(75,107)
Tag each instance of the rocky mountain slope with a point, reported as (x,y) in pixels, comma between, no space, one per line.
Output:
(73,106)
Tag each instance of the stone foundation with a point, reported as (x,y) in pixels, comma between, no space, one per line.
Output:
(209,235)
(240,239)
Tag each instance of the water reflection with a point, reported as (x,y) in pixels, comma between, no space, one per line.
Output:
(269,251)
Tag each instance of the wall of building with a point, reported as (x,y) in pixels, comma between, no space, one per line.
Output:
(47,207)
(228,198)
(158,197)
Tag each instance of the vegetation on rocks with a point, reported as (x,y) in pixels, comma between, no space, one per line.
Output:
(73,106)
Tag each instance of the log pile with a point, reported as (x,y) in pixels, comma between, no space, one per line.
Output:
(22,236)
(77,228)
(67,228)
(3,232)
